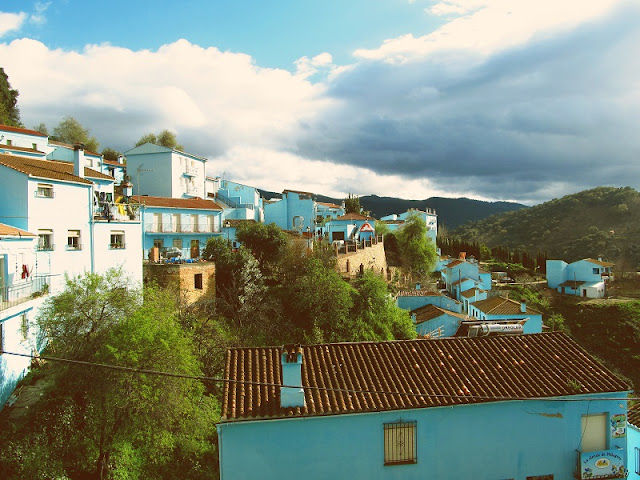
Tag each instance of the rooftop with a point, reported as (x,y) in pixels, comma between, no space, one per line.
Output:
(50,169)
(600,262)
(20,149)
(8,230)
(417,293)
(633,415)
(25,131)
(502,306)
(353,216)
(408,374)
(429,312)
(169,202)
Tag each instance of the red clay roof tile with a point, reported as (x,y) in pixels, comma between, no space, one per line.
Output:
(51,169)
(7,128)
(195,202)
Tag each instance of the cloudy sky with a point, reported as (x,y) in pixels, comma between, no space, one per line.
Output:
(492,99)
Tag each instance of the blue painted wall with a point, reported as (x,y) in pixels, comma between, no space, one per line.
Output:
(633,452)
(490,441)
(449,324)
(14,200)
(533,325)
(442,301)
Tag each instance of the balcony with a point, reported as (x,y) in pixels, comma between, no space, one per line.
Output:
(182,228)
(601,464)
(11,295)
(116,212)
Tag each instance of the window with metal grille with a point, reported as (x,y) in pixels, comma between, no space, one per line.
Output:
(400,443)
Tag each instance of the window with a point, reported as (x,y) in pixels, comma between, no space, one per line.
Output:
(44,190)
(177,242)
(158,243)
(45,239)
(400,443)
(596,271)
(73,240)
(9,142)
(24,327)
(197,280)
(177,223)
(117,239)
(34,146)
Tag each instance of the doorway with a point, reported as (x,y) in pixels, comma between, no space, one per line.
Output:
(195,248)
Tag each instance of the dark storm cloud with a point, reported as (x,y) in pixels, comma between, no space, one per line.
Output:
(555,111)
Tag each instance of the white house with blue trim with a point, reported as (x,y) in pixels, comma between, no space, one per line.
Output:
(583,278)
(24,139)
(451,408)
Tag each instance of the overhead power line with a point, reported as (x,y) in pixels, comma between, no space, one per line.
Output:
(306,387)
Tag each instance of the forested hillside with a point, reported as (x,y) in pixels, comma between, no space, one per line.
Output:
(604,221)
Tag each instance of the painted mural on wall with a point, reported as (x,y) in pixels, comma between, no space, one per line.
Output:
(604,464)
(619,426)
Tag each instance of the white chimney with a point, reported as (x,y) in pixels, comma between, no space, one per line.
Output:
(121,159)
(78,160)
(291,361)
(523,307)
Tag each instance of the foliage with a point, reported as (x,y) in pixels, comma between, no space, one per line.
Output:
(165,138)
(42,128)
(267,243)
(382,228)
(105,423)
(69,130)
(9,111)
(417,252)
(110,154)
(352,204)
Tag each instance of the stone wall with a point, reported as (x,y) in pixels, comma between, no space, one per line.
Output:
(193,281)
(371,258)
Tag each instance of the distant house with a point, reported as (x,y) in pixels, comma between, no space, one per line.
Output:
(412,299)
(429,216)
(584,278)
(501,308)
(461,275)
(299,211)
(633,441)
(526,407)
(24,139)
(241,202)
(182,223)
(436,322)
(348,227)
(165,172)
(115,168)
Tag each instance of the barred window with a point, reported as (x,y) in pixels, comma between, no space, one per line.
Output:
(400,443)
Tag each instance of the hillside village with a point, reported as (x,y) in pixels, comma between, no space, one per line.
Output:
(481,363)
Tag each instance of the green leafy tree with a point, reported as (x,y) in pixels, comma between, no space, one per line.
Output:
(417,251)
(352,204)
(9,111)
(268,243)
(165,138)
(382,228)
(69,130)
(104,423)
(110,154)
(42,128)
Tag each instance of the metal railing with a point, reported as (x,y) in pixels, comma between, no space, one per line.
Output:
(182,228)
(11,295)
(233,203)
(116,212)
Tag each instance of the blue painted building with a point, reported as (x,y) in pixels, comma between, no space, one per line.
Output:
(241,202)
(501,308)
(584,278)
(453,408)
(348,228)
(429,217)
(182,223)
(633,442)
(412,299)
(462,275)
(298,211)
(436,322)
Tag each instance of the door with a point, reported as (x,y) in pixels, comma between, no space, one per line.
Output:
(195,248)
(594,436)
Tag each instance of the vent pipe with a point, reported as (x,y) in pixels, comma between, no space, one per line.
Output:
(78,160)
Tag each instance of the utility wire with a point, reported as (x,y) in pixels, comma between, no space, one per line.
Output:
(306,387)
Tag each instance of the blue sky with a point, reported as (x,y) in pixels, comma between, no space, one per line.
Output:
(489,99)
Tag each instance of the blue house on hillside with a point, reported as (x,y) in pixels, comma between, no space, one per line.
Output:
(298,211)
(429,217)
(461,275)
(412,299)
(453,408)
(242,202)
(182,223)
(436,322)
(501,308)
(584,278)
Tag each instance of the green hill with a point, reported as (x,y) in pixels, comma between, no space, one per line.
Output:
(604,221)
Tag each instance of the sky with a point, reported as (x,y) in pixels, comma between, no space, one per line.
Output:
(513,100)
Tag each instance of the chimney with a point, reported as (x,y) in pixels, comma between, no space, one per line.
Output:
(523,307)
(462,255)
(418,286)
(78,160)
(121,159)
(291,361)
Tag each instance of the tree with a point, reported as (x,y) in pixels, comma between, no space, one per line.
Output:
(417,251)
(268,243)
(352,204)
(382,228)
(108,423)
(42,128)
(69,130)
(110,154)
(165,138)
(9,112)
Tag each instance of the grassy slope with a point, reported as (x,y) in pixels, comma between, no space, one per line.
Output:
(604,221)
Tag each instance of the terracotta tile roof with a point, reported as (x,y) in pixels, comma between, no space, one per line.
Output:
(297,191)
(7,128)
(454,263)
(471,292)
(330,205)
(417,293)
(113,163)
(13,231)
(20,149)
(633,415)
(70,147)
(571,283)
(411,374)
(50,169)
(354,216)
(169,202)
(457,282)
(600,262)
(502,306)
(429,312)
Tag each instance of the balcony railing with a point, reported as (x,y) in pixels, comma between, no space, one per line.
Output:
(601,464)
(182,228)
(116,212)
(233,203)
(11,295)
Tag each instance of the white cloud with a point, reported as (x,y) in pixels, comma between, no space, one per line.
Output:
(38,16)
(306,67)
(487,26)
(11,21)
